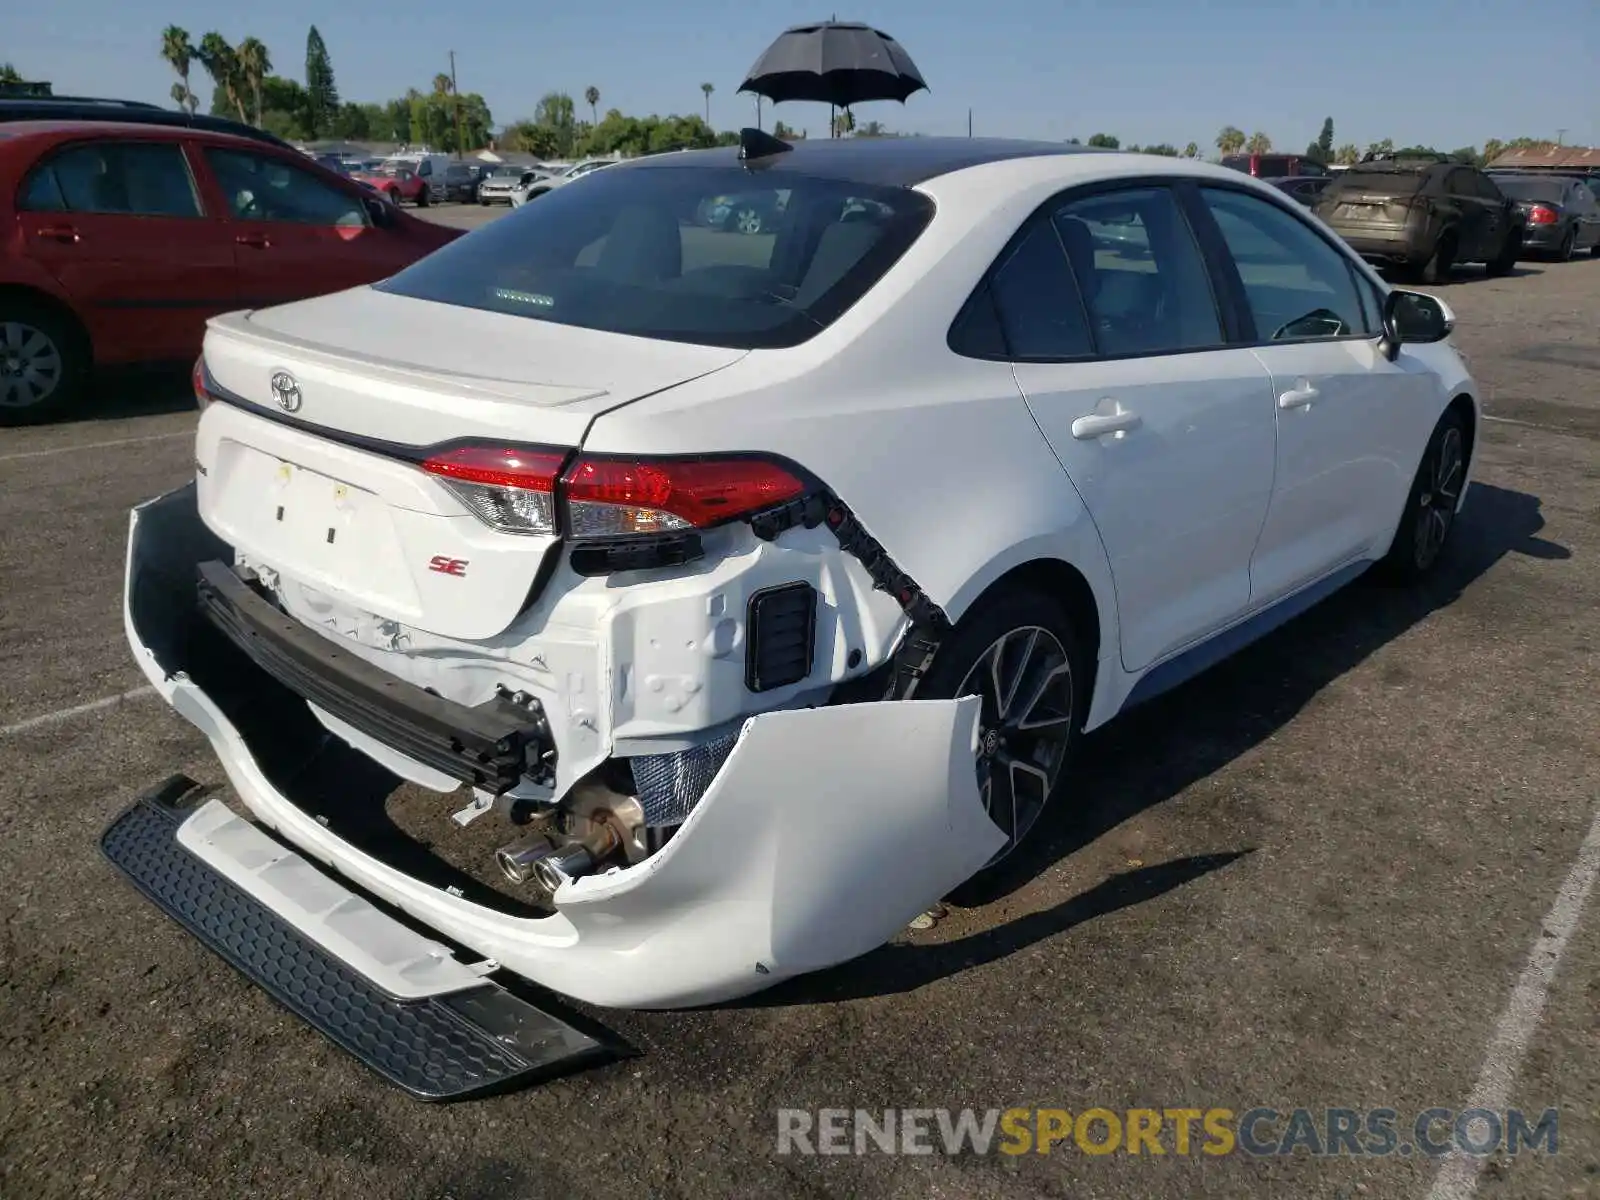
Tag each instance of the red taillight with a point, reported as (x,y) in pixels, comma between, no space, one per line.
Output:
(607,497)
(197,377)
(514,489)
(511,488)
(1540,215)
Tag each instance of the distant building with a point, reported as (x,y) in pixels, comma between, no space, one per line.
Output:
(1551,158)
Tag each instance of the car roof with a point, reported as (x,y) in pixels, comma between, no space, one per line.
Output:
(61,130)
(886,162)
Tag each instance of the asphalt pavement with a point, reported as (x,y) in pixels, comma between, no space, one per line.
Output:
(1315,877)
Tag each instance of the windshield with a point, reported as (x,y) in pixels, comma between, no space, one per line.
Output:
(690,254)
(508,172)
(1548,190)
(1385,183)
(395,165)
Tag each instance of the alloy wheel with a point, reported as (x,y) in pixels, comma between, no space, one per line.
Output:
(30,365)
(1436,502)
(748,221)
(1024,680)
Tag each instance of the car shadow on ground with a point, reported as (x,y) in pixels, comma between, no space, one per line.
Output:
(121,393)
(1460,274)
(1153,753)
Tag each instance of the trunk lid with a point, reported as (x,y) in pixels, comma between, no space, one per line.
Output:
(1372,208)
(327,489)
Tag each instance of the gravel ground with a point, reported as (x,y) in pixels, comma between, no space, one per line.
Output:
(1309,878)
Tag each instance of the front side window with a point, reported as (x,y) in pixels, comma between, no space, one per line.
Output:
(648,251)
(1298,287)
(129,178)
(260,187)
(1141,275)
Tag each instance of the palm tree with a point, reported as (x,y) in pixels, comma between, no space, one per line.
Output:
(1259,143)
(1347,155)
(441,84)
(1230,140)
(255,62)
(221,62)
(592,95)
(178,51)
(180,96)
(708,89)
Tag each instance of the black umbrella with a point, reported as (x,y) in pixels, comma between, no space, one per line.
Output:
(834,62)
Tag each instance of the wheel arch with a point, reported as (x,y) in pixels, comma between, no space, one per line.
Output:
(57,307)
(1465,405)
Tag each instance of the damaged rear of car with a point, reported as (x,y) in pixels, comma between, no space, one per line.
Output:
(682,680)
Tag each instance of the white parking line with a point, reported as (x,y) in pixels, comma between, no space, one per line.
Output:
(133,441)
(62,714)
(1458,1174)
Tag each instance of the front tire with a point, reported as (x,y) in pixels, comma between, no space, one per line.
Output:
(1430,512)
(1020,654)
(44,364)
(423,199)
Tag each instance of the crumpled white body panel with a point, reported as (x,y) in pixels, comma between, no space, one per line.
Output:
(826,830)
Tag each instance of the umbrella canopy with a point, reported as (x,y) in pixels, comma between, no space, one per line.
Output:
(834,62)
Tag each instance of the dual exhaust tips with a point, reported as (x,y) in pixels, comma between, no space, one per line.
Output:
(536,861)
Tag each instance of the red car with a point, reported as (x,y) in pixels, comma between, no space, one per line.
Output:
(397,183)
(118,241)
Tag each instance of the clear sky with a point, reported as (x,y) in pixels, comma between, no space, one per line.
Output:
(1445,73)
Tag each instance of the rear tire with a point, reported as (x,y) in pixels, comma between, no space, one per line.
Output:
(44,363)
(1430,512)
(1568,245)
(1437,269)
(1020,653)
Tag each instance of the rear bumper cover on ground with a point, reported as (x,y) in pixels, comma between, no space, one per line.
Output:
(825,831)
(449,1034)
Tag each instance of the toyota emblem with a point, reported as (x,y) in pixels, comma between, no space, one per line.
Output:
(285,391)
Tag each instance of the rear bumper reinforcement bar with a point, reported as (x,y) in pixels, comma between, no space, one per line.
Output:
(465,1040)
(489,746)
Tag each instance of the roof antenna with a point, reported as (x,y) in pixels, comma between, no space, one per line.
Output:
(757,144)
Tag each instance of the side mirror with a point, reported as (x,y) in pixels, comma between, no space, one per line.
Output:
(1413,317)
(380,210)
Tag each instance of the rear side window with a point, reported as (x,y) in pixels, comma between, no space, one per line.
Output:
(1298,287)
(1038,302)
(1140,273)
(130,178)
(714,256)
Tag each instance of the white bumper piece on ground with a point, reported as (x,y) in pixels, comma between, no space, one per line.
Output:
(824,833)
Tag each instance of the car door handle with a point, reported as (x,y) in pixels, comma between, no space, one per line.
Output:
(58,233)
(1097,425)
(259,240)
(1299,396)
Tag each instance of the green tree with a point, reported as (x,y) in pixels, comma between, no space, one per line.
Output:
(1191,151)
(1230,140)
(708,89)
(9,74)
(1105,141)
(555,112)
(782,132)
(1468,155)
(322,95)
(1384,147)
(221,62)
(532,138)
(1347,155)
(591,96)
(178,52)
(1164,149)
(254,63)
(180,96)
(354,122)
(1492,149)
(1325,141)
(1259,143)
(441,84)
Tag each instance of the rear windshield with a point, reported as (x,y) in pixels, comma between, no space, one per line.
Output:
(1548,190)
(714,256)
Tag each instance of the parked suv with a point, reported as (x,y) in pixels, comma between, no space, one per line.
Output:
(1423,217)
(118,241)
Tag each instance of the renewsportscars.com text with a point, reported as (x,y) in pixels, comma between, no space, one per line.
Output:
(1259,1132)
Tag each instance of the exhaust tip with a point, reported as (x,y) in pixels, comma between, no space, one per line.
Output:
(519,860)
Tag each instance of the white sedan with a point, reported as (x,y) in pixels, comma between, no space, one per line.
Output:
(534,188)
(762,585)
